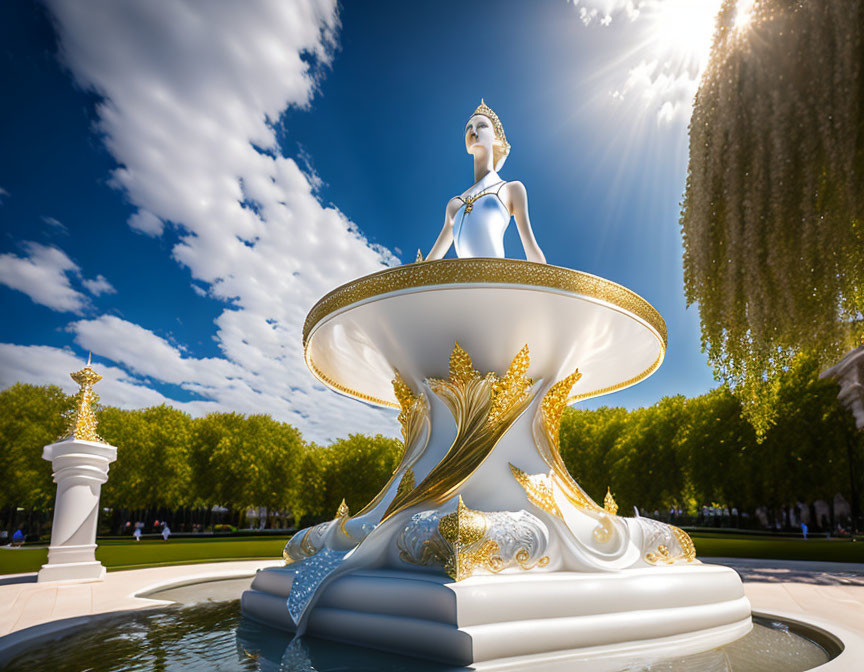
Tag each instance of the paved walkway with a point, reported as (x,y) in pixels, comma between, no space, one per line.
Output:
(58,605)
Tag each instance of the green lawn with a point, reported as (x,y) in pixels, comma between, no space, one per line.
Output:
(118,555)
(122,554)
(732,546)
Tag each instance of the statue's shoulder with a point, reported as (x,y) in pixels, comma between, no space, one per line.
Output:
(513,193)
(454,204)
(514,186)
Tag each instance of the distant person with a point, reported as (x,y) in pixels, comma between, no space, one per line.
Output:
(804,530)
(165,532)
(18,538)
(137,533)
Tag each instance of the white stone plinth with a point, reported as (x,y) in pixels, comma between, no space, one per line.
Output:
(80,469)
(572,615)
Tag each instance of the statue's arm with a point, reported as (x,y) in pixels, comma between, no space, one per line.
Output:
(517,199)
(445,238)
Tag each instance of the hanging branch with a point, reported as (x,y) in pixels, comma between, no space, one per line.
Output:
(773,214)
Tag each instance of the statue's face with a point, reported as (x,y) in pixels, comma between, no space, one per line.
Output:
(479,134)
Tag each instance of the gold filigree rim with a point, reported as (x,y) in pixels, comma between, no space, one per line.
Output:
(482,271)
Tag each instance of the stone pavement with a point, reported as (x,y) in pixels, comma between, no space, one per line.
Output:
(46,609)
(830,590)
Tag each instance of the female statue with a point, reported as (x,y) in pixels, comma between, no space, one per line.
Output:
(476,221)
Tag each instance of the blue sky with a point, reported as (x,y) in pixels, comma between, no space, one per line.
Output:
(180,182)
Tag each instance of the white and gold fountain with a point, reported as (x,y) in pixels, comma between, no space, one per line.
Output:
(481,549)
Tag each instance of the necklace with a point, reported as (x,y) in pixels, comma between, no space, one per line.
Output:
(469,200)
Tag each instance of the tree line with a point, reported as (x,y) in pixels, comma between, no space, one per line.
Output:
(678,454)
(689,453)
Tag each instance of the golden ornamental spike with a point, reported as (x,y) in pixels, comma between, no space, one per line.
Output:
(419,257)
(609,502)
(82,420)
(342,511)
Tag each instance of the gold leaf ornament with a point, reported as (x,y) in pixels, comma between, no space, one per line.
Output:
(609,502)
(484,408)
(548,442)
(413,416)
(538,488)
(462,529)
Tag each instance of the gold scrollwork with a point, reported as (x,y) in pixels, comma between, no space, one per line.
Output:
(548,444)
(485,271)
(688,550)
(538,488)
(406,484)
(663,554)
(523,557)
(465,541)
(414,417)
(462,530)
(484,408)
(306,545)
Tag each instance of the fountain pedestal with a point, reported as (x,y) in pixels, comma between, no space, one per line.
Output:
(80,469)
(482,546)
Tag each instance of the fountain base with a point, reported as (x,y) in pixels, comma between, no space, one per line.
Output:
(484,618)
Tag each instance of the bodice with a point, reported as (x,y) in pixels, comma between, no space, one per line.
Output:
(480,222)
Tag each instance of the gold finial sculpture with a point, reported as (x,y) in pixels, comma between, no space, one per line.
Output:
(82,420)
(419,258)
(609,502)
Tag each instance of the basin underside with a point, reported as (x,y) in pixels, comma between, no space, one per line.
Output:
(407,319)
(572,615)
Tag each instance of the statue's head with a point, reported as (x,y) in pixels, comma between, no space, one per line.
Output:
(484,129)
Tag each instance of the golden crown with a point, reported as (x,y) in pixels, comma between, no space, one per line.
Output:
(487,111)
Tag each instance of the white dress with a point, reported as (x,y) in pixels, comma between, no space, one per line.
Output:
(480,222)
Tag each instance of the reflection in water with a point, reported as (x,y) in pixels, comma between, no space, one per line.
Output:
(212,636)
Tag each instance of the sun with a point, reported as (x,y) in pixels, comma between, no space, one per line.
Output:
(681,31)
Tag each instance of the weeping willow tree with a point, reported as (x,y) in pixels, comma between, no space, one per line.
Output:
(773,214)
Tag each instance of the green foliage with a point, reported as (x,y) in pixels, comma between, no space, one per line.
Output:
(152,467)
(355,469)
(167,460)
(679,452)
(30,418)
(689,453)
(773,214)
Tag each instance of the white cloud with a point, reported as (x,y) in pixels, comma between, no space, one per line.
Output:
(252,381)
(44,276)
(45,365)
(56,224)
(3,193)
(189,92)
(147,223)
(602,11)
(663,50)
(98,286)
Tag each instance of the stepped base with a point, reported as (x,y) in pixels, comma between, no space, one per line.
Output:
(572,615)
(72,571)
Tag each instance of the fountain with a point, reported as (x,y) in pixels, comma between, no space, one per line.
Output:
(482,546)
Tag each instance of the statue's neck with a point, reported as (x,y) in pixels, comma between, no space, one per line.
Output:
(482,166)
